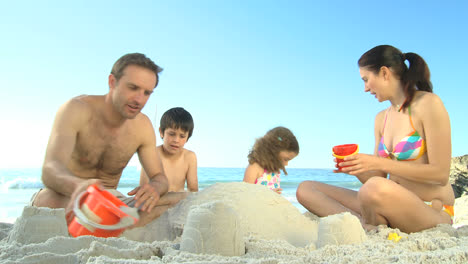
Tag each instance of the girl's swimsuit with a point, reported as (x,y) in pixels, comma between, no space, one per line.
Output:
(270,180)
(411,147)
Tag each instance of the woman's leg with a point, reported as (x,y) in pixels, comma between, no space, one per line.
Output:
(324,199)
(386,202)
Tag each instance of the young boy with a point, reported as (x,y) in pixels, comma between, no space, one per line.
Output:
(179,164)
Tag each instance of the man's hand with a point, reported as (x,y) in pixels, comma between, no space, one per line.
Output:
(145,195)
(69,214)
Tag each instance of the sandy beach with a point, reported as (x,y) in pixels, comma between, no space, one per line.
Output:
(234,223)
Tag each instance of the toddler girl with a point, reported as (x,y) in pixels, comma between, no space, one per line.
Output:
(269,155)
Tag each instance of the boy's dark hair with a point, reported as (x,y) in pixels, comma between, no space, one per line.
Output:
(135,59)
(266,150)
(176,118)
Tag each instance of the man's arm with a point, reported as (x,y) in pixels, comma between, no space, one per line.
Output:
(192,177)
(68,121)
(148,194)
(143,177)
(62,185)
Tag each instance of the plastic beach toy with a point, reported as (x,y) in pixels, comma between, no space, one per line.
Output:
(342,151)
(394,236)
(99,213)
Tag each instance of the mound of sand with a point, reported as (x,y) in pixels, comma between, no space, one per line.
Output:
(213,228)
(228,218)
(261,213)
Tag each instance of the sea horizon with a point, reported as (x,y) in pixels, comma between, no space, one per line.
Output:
(18,185)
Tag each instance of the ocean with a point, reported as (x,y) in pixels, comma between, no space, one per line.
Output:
(18,185)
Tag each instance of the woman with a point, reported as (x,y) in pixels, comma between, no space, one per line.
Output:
(406,181)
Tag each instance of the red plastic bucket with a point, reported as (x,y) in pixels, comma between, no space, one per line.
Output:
(99,213)
(342,151)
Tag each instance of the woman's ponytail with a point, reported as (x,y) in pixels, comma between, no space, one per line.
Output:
(415,77)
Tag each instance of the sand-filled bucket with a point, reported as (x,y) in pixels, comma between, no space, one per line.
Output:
(99,213)
(342,151)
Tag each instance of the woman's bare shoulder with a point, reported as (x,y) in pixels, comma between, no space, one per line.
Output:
(426,103)
(379,118)
(423,99)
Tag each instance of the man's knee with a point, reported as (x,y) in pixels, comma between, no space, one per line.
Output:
(49,198)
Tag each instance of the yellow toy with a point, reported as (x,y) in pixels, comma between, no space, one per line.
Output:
(394,236)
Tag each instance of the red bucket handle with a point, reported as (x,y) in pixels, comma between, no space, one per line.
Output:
(129,219)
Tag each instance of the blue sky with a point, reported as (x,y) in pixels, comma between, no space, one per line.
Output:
(240,67)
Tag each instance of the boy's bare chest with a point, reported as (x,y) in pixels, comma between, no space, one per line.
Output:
(176,172)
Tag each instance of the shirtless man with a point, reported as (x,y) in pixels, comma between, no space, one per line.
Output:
(94,137)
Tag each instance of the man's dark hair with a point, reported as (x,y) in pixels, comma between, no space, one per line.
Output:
(135,59)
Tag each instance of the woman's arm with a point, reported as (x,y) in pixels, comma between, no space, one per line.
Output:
(366,175)
(436,125)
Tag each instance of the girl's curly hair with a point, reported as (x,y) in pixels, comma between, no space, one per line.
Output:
(265,151)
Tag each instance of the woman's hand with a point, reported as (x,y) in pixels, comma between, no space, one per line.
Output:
(360,163)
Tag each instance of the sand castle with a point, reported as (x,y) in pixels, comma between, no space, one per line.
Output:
(255,211)
(231,223)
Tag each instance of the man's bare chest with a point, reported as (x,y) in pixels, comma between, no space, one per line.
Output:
(104,149)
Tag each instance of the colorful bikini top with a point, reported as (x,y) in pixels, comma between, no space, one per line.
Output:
(411,147)
(270,180)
